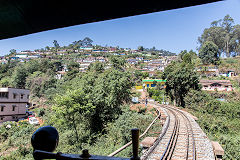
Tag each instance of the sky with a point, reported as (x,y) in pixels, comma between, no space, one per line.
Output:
(172,30)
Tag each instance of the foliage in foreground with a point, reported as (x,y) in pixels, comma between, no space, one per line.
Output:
(15,141)
(220,120)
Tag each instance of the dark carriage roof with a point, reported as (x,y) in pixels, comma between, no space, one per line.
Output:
(21,17)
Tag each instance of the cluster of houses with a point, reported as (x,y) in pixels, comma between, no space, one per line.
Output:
(207,85)
(152,65)
(213,71)
(216,85)
(85,62)
(22,56)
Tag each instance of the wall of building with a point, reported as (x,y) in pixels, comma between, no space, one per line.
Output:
(8,114)
(22,95)
(151,84)
(17,98)
(222,88)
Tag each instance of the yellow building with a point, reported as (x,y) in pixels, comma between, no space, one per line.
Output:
(153,82)
(139,87)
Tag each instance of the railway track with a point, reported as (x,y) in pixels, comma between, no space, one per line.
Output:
(180,139)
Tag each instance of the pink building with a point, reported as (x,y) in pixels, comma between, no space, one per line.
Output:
(216,85)
(13,103)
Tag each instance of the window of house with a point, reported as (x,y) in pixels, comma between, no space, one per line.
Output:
(2,108)
(14,117)
(153,85)
(3,94)
(14,95)
(14,107)
(22,96)
(27,96)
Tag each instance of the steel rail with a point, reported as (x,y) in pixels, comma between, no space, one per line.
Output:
(193,139)
(172,142)
(129,143)
(191,130)
(173,139)
(151,149)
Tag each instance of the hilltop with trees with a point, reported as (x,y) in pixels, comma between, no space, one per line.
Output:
(225,35)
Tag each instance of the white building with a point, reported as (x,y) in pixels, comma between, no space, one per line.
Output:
(13,103)
(21,55)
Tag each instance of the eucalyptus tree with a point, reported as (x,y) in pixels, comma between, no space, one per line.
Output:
(224,34)
(56,45)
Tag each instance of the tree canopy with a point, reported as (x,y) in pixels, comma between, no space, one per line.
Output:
(180,77)
(209,53)
(224,34)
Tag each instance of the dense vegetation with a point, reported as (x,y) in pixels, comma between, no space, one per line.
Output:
(88,109)
(220,120)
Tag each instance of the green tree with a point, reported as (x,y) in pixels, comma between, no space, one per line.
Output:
(106,91)
(87,42)
(47,48)
(118,62)
(145,74)
(39,82)
(236,38)
(112,88)
(72,65)
(181,54)
(72,108)
(6,82)
(56,45)
(13,51)
(180,77)
(140,48)
(209,53)
(98,67)
(19,77)
(223,33)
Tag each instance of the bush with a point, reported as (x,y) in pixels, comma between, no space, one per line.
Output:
(220,120)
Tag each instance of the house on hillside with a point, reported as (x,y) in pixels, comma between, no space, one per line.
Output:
(112,49)
(153,82)
(132,61)
(208,70)
(101,59)
(227,72)
(161,68)
(34,56)
(13,103)
(21,55)
(14,58)
(60,74)
(139,58)
(216,85)
(86,48)
(3,61)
